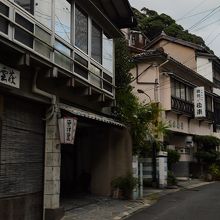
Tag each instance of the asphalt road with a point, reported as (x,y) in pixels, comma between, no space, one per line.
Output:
(202,203)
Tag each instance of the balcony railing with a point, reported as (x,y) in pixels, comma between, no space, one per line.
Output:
(187,108)
(182,106)
(23,29)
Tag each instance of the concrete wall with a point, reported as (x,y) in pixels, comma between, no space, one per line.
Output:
(183,54)
(112,157)
(191,126)
(204,68)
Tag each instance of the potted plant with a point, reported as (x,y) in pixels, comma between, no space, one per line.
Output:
(123,186)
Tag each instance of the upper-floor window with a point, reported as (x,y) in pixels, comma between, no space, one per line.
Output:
(81,30)
(28,5)
(96,50)
(68,24)
(63,19)
(43,12)
(181,91)
(107,53)
(208,103)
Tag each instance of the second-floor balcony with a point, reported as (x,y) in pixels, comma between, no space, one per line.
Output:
(187,108)
(182,107)
(92,64)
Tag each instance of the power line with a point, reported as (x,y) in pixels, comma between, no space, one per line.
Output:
(207,25)
(205,18)
(193,15)
(191,10)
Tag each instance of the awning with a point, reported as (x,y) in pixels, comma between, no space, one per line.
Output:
(90,115)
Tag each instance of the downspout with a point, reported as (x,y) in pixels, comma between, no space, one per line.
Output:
(38,91)
(158,78)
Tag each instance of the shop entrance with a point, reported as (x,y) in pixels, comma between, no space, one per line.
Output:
(76,164)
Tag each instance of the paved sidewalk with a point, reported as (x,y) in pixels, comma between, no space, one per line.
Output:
(110,209)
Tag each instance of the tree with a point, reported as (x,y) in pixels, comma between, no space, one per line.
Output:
(142,120)
(152,24)
(206,152)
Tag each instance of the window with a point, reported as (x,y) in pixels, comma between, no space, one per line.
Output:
(20,34)
(173,93)
(81,30)
(96,42)
(189,94)
(42,12)
(41,45)
(28,5)
(208,103)
(95,76)
(3,22)
(62,19)
(177,88)
(181,91)
(107,53)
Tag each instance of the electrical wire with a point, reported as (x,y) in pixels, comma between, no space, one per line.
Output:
(214,11)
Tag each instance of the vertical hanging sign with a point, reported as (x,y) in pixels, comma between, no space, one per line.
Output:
(67,129)
(199,102)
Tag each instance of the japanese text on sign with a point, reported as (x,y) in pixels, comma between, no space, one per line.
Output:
(9,76)
(199,102)
(67,127)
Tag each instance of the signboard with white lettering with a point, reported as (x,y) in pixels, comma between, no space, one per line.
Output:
(199,102)
(67,128)
(9,76)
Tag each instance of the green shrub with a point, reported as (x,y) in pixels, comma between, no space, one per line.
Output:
(214,170)
(125,183)
(172,157)
(171,179)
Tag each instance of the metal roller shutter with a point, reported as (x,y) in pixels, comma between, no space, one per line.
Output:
(21,160)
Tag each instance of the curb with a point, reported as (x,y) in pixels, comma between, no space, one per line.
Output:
(125,215)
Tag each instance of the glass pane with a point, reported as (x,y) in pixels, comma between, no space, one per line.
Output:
(20,34)
(62,19)
(42,12)
(182,91)
(81,71)
(107,60)
(81,30)
(40,47)
(173,88)
(96,43)
(188,94)
(209,103)
(3,25)
(63,61)
(28,5)
(62,48)
(107,77)
(177,89)
(81,60)
(24,22)
(94,80)
(107,86)
(4,9)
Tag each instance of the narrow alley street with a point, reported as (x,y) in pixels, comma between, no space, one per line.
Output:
(199,203)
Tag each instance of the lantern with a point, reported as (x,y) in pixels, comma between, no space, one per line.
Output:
(67,129)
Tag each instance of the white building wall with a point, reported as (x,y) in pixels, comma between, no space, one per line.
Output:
(204,68)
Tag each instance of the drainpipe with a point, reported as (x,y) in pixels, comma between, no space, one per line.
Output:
(38,91)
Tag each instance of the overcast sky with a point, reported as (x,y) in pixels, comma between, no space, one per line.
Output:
(189,13)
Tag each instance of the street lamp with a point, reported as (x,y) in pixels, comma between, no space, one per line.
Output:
(154,148)
(143,92)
